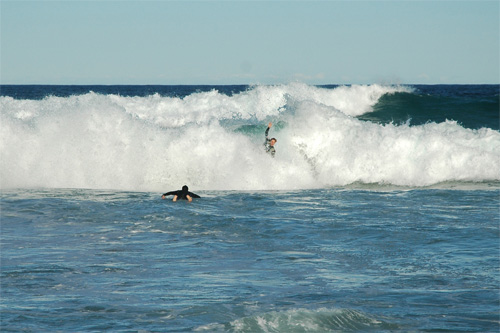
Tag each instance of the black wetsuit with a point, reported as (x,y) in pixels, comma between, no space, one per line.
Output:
(269,149)
(181,194)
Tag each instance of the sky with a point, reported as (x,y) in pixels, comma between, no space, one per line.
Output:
(249,42)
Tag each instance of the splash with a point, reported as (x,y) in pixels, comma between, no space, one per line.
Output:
(213,141)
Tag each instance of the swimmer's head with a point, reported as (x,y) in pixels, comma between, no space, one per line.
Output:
(185,188)
(273,141)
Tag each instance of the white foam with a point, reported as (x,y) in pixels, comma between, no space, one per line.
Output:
(304,320)
(343,150)
(158,143)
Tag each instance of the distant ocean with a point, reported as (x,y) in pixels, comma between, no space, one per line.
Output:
(379,212)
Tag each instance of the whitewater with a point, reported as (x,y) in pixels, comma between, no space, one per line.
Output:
(379,212)
(213,140)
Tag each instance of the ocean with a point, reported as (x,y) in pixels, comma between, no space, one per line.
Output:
(379,212)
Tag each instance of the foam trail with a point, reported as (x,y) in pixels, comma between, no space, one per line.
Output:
(303,320)
(214,141)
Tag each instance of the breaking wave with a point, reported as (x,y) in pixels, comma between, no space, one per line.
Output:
(214,141)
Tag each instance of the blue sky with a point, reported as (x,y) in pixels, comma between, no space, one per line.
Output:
(249,42)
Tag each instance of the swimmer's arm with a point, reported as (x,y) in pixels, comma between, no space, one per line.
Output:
(268,128)
(168,193)
(267,131)
(175,198)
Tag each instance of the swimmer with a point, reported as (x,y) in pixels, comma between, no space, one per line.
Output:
(269,144)
(181,194)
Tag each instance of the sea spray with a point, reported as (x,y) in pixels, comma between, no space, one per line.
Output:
(214,141)
(342,150)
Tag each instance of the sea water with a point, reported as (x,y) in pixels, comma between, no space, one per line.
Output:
(379,212)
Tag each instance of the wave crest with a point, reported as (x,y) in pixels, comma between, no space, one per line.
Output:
(213,141)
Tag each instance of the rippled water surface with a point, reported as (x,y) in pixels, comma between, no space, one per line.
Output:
(284,261)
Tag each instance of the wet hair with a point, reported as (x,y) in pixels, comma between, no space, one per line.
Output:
(185,188)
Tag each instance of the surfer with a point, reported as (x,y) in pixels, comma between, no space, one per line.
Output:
(269,144)
(181,194)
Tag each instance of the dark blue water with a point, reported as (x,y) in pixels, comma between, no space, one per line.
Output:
(380,211)
(473,106)
(37,92)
